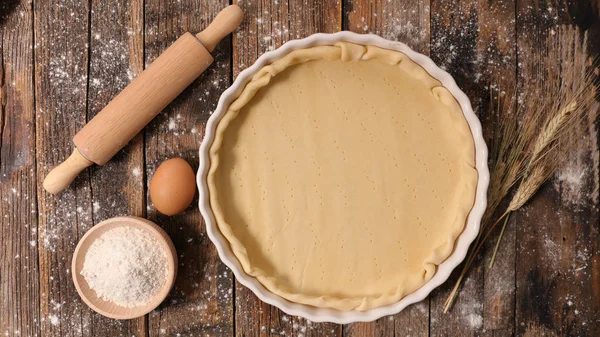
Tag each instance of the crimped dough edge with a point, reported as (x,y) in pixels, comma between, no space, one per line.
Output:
(344,51)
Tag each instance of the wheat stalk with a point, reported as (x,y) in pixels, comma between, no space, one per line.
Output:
(559,104)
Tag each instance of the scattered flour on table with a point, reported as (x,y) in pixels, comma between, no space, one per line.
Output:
(172,124)
(552,251)
(49,237)
(570,180)
(581,260)
(475,321)
(470,310)
(126,266)
(577,178)
(137,172)
(404,31)
(54,320)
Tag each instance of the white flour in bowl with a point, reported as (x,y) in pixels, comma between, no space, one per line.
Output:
(126,266)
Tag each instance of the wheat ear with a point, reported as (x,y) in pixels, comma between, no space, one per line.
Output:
(551,131)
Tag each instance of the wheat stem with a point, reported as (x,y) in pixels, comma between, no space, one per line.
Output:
(498,242)
(470,258)
(450,299)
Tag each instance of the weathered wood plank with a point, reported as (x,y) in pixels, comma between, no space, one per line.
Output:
(557,256)
(474,41)
(116,57)
(19,277)
(61,57)
(454,48)
(408,22)
(267,25)
(201,302)
(496,44)
(558,241)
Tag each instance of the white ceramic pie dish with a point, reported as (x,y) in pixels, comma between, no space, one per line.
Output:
(324,314)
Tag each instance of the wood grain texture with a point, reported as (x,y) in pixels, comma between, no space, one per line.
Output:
(474,41)
(454,48)
(267,25)
(557,234)
(201,302)
(116,57)
(496,45)
(546,280)
(408,22)
(61,63)
(19,276)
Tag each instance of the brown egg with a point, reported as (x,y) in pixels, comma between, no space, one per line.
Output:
(173,186)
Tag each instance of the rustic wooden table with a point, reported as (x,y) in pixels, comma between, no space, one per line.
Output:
(62,61)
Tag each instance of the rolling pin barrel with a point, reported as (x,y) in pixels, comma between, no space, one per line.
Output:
(143,99)
(127,114)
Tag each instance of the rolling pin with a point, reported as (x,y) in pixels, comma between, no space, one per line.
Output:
(127,114)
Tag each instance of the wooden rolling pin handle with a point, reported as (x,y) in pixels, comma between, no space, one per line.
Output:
(224,23)
(63,175)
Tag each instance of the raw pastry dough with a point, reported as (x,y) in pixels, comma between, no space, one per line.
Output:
(342,175)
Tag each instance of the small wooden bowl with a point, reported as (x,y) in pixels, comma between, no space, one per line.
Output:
(110,309)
